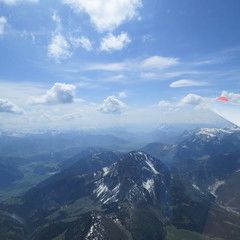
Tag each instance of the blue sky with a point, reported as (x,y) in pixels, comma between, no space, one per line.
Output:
(113,63)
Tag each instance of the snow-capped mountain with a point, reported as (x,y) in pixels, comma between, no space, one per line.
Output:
(118,197)
(200,143)
(136,178)
(207,161)
(209,134)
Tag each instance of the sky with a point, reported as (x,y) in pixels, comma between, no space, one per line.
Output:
(79,64)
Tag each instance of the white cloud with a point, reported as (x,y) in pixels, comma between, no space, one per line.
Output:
(83,42)
(156,64)
(159,62)
(192,99)
(3,22)
(107,15)
(112,105)
(111,67)
(8,107)
(59,47)
(187,83)
(60,93)
(114,43)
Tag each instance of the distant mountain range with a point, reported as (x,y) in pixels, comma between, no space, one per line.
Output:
(145,194)
(25,145)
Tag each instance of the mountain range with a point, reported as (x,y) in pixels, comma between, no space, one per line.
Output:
(158,192)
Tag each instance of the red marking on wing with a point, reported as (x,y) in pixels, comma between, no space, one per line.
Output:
(222,99)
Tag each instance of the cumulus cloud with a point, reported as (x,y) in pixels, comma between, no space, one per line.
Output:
(59,47)
(192,99)
(114,43)
(8,107)
(60,93)
(3,22)
(112,105)
(14,2)
(83,42)
(159,62)
(107,15)
(187,83)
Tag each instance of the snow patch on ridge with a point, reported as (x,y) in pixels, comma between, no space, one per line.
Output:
(106,170)
(149,185)
(96,231)
(152,167)
(111,195)
(213,188)
(196,187)
(102,188)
